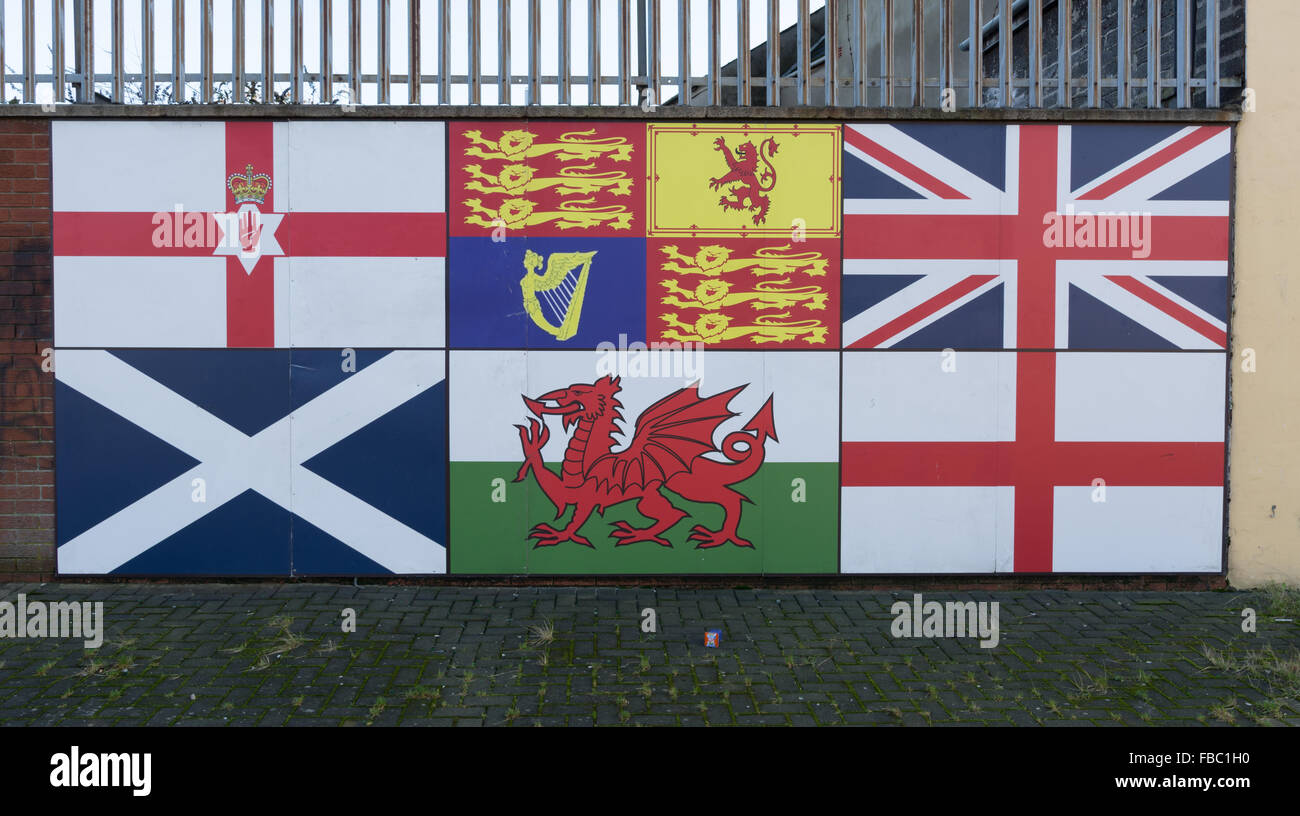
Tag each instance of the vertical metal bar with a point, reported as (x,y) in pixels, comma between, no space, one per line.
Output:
(887,53)
(326,52)
(683,52)
(594,83)
(975,71)
(654,44)
(146,51)
(475,74)
(534,52)
(1211,53)
(354,51)
(119,57)
(564,74)
(1005,35)
(178,51)
(503,51)
(86,38)
(831,50)
(1153,54)
(804,30)
(414,73)
(237,51)
(1094,53)
(858,39)
(1123,48)
(1036,55)
(1063,63)
(945,47)
(29,50)
(773,82)
(3,77)
(715,52)
(444,53)
(268,51)
(295,51)
(383,72)
(625,93)
(60,91)
(205,52)
(918,53)
(743,95)
(1184,79)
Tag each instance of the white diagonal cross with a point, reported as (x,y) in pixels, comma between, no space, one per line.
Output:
(232,462)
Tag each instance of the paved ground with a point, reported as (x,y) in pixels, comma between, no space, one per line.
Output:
(253,654)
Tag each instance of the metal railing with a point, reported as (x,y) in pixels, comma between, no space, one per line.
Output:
(1056,53)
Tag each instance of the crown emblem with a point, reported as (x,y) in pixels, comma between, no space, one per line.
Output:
(249,187)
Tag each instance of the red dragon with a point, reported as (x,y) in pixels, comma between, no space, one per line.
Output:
(667,451)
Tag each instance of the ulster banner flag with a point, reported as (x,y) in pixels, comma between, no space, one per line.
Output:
(248,234)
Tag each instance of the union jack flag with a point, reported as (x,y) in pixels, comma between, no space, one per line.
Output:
(1036,236)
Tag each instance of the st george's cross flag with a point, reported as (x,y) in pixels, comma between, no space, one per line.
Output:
(1036,236)
(1032,461)
(249,234)
(251,462)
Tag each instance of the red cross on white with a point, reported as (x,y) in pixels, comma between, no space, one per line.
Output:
(271,227)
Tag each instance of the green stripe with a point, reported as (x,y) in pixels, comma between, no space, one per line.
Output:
(789,536)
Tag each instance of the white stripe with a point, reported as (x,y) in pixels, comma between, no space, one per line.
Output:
(1138,530)
(1139,397)
(893,530)
(366,166)
(114,166)
(123,302)
(929,396)
(367,302)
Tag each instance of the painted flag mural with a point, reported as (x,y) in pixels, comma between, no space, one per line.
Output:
(1033,462)
(1036,236)
(744,224)
(618,347)
(547,234)
(251,461)
(228,298)
(643,462)
(249,234)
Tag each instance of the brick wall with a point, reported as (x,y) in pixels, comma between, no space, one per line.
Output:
(26,328)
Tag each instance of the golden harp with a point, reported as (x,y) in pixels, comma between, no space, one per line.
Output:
(556,295)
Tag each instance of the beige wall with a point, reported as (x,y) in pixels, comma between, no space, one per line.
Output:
(1264,508)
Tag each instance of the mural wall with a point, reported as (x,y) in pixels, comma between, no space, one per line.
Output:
(540,347)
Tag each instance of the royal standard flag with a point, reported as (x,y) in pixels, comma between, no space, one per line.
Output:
(744,180)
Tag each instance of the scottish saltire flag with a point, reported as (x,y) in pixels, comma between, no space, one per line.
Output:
(251,462)
(971,236)
(249,234)
(981,462)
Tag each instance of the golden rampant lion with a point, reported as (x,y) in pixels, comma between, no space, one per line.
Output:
(520,178)
(520,212)
(716,294)
(714,328)
(520,144)
(716,260)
